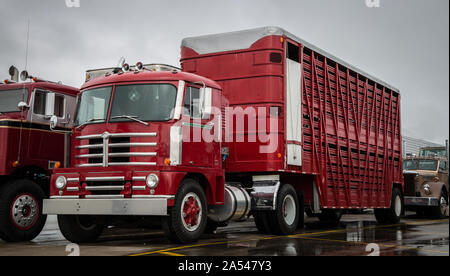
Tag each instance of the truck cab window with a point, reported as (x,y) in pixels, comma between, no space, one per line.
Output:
(48,104)
(59,106)
(192,103)
(40,99)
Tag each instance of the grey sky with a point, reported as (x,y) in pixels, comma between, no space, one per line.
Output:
(404,42)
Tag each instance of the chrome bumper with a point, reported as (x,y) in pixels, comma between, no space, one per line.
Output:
(421,201)
(116,207)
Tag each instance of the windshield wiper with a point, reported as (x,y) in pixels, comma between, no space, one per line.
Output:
(134,118)
(88,121)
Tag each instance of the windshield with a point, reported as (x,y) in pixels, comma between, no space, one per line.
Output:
(433,152)
(420,165)
(146,102)
(9,99)
(93,106)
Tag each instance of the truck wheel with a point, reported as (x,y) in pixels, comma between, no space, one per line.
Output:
(262,222)
(187,218)
(285,218)
(79,229)
(21,217)
(332,217)
(440,211)
(393,214)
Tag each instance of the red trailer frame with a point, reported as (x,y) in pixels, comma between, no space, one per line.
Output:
(350,121)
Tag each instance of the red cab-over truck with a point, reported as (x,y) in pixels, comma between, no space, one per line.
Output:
(257,122)
(30,150)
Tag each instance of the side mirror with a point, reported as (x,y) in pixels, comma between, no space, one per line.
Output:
(22,106)
(53,122)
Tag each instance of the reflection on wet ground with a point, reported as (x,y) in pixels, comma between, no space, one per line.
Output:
(356,235)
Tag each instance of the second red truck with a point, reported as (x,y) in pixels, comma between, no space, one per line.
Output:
(257,122)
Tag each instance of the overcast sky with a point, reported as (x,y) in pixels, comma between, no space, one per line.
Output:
(403,42)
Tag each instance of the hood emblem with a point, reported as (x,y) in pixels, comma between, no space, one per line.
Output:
(106,135)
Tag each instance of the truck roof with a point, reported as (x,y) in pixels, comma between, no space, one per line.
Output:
(240,40)
(142,76)
(43,85)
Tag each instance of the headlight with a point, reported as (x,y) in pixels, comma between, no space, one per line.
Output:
(152,181)
(61,182)
(427,189)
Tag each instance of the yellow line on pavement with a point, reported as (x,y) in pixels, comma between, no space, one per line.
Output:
(172,254)
(303,235)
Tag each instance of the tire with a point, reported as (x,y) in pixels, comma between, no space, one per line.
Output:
(21,217)
(439,211)
(188,217)
(80,229)
(285,219)
(394,213)
(262,222)
(331,217)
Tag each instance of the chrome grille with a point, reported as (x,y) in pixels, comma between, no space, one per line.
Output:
(105,187)
(114,149)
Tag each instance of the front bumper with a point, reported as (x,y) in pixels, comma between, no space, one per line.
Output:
(115,207)
(421,201)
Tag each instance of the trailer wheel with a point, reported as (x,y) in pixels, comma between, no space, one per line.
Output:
(21,217)
(79,229)
(440,211)
(187,218)
(393,214)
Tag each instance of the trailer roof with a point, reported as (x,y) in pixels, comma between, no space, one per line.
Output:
(245,39)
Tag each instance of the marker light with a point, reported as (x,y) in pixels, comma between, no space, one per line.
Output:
(57,165)
(139,66)
(167,161)
(61,182)
(126,67)
(15,164)
(152,181)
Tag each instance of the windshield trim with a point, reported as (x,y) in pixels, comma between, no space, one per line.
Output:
(124,120)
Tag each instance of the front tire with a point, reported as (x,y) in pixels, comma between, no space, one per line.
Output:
(440,211)
(188,217)
(21,217)
(79,229)
(394,213)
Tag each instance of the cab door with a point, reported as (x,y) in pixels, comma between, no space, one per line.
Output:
(44,144)
(198,127)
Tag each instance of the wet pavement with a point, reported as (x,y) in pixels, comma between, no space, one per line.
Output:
(356,235)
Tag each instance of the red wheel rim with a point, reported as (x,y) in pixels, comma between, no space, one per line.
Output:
(191,213)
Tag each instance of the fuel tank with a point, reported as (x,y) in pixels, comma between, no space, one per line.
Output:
(236,208)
